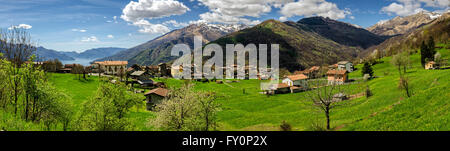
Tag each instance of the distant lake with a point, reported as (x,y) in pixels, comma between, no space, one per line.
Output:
(82,61)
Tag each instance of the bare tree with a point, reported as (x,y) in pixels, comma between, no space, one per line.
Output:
(78,70)
(327,95)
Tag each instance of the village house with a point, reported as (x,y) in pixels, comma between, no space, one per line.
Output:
(312,72)
(334,66)
(337,76)
(345,65)
(164,70)
(155,97)
(282,88)
(152,69)
(431,65)
(67,68)
(299,80)
(143,78)
(110,67)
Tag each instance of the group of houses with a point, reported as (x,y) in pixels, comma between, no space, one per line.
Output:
(298,82)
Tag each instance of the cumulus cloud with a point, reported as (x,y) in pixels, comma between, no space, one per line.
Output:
(175,23)
(147,27)
(90,39)
(409,7)
(310,8)
(226,19)
(138,13)
(79,30)
(21,26)
(235,11)
(110,36)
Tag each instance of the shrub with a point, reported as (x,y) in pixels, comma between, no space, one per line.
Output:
(285,126)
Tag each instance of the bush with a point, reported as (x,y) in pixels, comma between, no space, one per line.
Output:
(285,126)
(368,92)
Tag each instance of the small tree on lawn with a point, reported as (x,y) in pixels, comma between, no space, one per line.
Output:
(438,59)
(323,98)
(78,70)
(401,61)
(186,109)
(367,69)
(106,111)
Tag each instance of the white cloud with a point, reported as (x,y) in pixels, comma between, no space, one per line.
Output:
(236,11)
(138,13)
(110,36)
(21,26)
(310,8)
(227,19)
(175,23)
(90,39)
(79,30)
(147,27)
(282,18)
(410,7)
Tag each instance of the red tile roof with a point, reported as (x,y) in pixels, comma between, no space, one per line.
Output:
(297,77)
(336,72)
(282,85)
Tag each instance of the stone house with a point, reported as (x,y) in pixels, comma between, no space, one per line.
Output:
(345,65)
(431,65)
(299,80)
(110,67)
(155,96)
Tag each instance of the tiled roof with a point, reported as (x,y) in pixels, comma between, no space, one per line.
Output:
(113,63)
(297,77)
(343,62)
(138,73)
(282,85)
(336,72)
(158,91)
(314,68)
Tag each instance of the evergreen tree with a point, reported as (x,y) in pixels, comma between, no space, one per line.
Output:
(367,69)
(431,50)
(423,53)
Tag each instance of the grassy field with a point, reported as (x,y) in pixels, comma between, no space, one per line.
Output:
(387,109)
(82,90)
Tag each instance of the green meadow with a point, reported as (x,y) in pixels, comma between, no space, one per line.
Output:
(388,108)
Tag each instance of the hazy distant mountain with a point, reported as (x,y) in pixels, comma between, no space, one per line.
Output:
(402,25)
(158,50)
(439,29)
(47,54)
(95,53)
(300,46)
(340,32)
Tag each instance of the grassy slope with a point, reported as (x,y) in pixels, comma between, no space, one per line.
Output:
(81,91)
(426,110)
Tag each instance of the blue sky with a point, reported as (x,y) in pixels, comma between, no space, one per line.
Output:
(78,25)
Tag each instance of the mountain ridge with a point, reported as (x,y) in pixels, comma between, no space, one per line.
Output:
(402,25)
(158,50)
